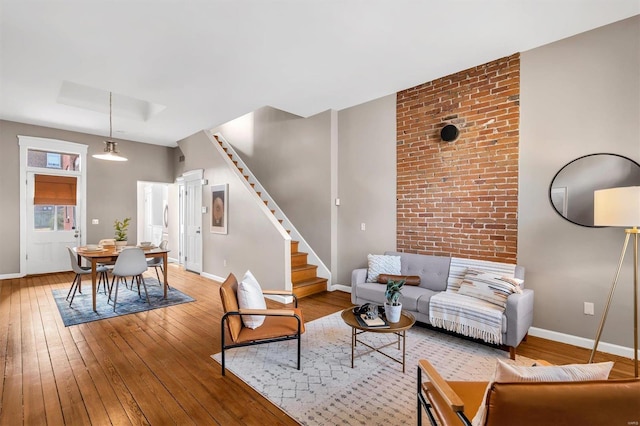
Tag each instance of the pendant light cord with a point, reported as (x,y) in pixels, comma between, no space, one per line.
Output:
(110,116)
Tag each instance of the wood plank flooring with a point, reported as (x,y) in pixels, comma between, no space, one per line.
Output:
(148,368)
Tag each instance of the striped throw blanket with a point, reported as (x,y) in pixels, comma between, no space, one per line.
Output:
(467,316)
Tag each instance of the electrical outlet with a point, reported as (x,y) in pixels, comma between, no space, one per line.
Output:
(224,262)
(363,227)
(588,308)
(95,222)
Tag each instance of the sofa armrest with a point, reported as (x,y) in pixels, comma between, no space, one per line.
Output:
(519,314)
(358,276)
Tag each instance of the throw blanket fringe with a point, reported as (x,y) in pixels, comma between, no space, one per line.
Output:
(467,316)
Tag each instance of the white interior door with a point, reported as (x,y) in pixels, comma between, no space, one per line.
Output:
(193,225)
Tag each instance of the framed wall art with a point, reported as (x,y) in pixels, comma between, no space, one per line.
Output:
(219,208)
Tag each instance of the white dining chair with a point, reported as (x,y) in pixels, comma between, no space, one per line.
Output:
(156,262)
(130,263)
(80,271)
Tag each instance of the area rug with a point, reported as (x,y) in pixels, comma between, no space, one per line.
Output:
(128,302)
(328,391)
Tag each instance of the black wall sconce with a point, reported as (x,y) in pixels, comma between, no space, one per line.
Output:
(449,133)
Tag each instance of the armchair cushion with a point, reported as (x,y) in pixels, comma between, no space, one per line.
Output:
(273,326)
(250,297)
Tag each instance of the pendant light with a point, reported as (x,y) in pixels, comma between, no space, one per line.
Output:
(110,151)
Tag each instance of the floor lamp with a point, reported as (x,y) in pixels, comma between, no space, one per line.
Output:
(620,207)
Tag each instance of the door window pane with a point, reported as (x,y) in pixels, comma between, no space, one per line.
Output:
(54,218)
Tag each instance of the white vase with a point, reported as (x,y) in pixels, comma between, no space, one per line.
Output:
(121,244)
(392,313)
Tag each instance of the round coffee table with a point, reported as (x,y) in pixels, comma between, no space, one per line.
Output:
(399,329)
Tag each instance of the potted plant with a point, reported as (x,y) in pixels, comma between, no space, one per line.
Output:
(393,307)
(121,231)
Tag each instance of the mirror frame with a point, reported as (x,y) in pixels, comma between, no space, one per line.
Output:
(551,188)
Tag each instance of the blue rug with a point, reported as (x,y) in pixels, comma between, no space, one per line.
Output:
(128,302)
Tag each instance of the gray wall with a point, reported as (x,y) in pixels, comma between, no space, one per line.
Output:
(290,156)
(111,186)
(252,242)
(578,96)
(366,183)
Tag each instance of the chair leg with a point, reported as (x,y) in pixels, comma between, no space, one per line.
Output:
(140,277)
(111,288)
(74,286)
(157,274)
(115,297)
(222,327)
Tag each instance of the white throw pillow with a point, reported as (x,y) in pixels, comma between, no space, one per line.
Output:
(382,264)
(250,297)
(553,373)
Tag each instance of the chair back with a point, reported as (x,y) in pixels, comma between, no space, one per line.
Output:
(130,262)
(163,244)
(228,294)
(73,258)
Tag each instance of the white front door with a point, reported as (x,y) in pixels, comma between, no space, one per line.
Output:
(48,226)
(193,225)
(50,229)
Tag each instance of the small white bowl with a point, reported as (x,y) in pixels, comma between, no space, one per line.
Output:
(145,244)
(92,247)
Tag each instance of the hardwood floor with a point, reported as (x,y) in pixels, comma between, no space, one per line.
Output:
(147,368)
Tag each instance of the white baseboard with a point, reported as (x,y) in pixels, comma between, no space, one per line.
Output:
(581,342)
(11,276)
(340,287)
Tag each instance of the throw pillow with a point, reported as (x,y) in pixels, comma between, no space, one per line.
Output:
(554,373)
(488,286)
(408,279)
(250,297)
(382,264)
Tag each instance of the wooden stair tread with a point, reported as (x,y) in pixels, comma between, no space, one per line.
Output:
(303,267)
(310,281)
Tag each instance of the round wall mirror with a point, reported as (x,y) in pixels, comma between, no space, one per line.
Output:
(571,190)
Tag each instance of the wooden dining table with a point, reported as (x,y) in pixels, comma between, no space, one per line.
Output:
(108,254)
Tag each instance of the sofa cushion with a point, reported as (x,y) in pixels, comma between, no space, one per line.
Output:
(432,270)
(494,288)
(382,264)
(408,279)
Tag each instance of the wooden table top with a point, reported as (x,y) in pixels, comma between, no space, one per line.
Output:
(113,251)
(407,320)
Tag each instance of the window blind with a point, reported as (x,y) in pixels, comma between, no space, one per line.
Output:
(55,190)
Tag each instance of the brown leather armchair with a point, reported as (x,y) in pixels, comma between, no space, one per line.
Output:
(593,403)
(279,324)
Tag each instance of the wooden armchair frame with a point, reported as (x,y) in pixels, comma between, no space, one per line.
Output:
(280,324)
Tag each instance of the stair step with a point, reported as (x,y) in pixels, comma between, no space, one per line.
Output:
(246,177)
(303,272)
(309,287)
(265,202)
(253,185)
(298,259)
(294,246)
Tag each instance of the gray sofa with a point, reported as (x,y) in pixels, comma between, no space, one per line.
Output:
(436,272)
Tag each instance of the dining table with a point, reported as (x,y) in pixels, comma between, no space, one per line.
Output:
(107,254)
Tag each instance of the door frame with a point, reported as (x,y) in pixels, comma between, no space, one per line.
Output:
(52,145)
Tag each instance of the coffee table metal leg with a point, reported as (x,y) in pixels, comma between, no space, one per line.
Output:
(404,346)
(353,344)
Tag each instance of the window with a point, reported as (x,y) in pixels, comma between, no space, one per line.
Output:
(53,160)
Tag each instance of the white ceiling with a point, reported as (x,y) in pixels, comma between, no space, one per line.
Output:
(210,61)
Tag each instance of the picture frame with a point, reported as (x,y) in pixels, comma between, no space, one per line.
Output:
(219,208)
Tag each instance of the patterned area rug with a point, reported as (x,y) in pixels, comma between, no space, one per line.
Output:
(128,302)
(328,391)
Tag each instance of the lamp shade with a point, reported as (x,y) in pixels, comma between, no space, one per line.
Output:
(617,207)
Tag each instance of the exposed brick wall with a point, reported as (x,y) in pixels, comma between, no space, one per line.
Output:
(460,198)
